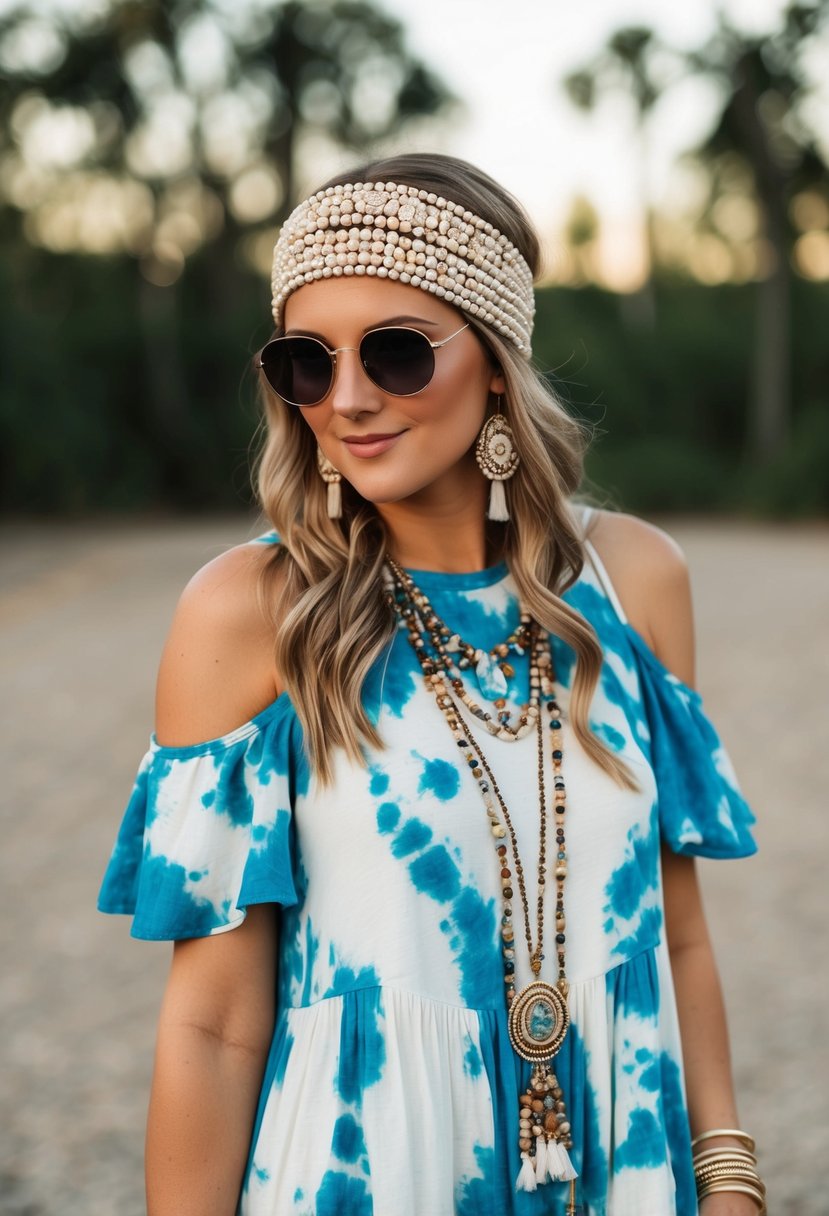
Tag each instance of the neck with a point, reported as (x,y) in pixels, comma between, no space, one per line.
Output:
(450,534)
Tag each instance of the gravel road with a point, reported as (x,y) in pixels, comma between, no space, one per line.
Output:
(83,613)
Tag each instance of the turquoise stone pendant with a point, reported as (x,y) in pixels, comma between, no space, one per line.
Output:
(491,679)
(538,1021)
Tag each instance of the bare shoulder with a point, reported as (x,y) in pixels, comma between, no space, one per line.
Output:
(217,667)
(650,574)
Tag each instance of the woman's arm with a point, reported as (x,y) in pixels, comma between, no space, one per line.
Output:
(651,577)
(213,1036)
(217,1013)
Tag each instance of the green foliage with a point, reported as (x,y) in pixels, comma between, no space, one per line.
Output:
(795,482)
(669,403)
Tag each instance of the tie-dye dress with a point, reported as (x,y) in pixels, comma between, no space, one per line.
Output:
(391,1088)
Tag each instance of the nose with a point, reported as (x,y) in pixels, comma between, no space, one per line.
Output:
(352,391)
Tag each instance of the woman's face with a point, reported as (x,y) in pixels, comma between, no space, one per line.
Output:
(435,429)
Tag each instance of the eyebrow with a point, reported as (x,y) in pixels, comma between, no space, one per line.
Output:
(379,325)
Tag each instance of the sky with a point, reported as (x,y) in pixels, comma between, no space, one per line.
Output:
(506,61)
(520,126)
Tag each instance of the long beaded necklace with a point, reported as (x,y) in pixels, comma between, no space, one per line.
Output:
(537,1015)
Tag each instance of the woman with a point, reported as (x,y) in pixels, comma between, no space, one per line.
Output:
(418,747)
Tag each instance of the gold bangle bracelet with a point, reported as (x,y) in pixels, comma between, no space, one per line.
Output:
(741,1190)
(709,1154)
(739,1162)
(744,1137)
(727,1167)
(743,1168)
(748,1178)
(727,1176)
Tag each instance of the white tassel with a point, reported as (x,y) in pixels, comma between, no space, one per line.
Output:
(334,500)
(526,1180)
(555,1165)
(540,1159)
(497,501)
(559,1165)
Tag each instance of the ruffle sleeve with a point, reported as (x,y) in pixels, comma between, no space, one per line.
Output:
(208,831)
(702,811)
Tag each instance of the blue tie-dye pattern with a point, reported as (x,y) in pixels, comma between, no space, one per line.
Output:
(402,675)
(164,888)
(345,979)
(473,1196)
(256,780)
(472,1062)
(438,777)
(612,737)
(309,956)
(343,1195)
(145,793)
(644,937)
(265,878)
(348,1142)
(435,874)
(701,812)
(413,835)
(469,926)
(388,817)
(471,929)
(362,1045)
(638,874)
(232,797)
(644,1147)
(379,781)
(678,1133)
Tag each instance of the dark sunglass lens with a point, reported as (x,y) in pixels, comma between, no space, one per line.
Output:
(399,361)
(298,369)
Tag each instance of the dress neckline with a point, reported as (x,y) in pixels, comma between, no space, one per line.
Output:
(461,580)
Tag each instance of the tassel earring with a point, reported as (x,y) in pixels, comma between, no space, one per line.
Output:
(332,477)
(497,459)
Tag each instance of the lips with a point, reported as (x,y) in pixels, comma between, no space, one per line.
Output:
(371,445)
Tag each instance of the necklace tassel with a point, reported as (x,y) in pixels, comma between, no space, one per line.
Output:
(540,1159)
(526,1180)
(559,1165)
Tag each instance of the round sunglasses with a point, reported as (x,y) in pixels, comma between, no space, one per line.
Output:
(399,360)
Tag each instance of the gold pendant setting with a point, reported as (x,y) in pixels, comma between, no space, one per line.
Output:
(538,1021)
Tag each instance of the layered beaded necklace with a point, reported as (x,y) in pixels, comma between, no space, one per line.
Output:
(537,1014)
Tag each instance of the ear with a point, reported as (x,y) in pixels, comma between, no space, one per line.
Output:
(497,383)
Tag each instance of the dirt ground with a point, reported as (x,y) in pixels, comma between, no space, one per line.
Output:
(83,613)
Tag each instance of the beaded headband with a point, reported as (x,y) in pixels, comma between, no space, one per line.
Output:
(400,232)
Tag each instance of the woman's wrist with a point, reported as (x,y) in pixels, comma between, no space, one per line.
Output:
(728,1203)
(725,1173)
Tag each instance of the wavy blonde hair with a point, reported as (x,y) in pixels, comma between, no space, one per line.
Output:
(337,623)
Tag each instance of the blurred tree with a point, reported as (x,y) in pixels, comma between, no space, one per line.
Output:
(581,231)
(163,128)
(221,97)
(766,132)
(764,136)
(634,61)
